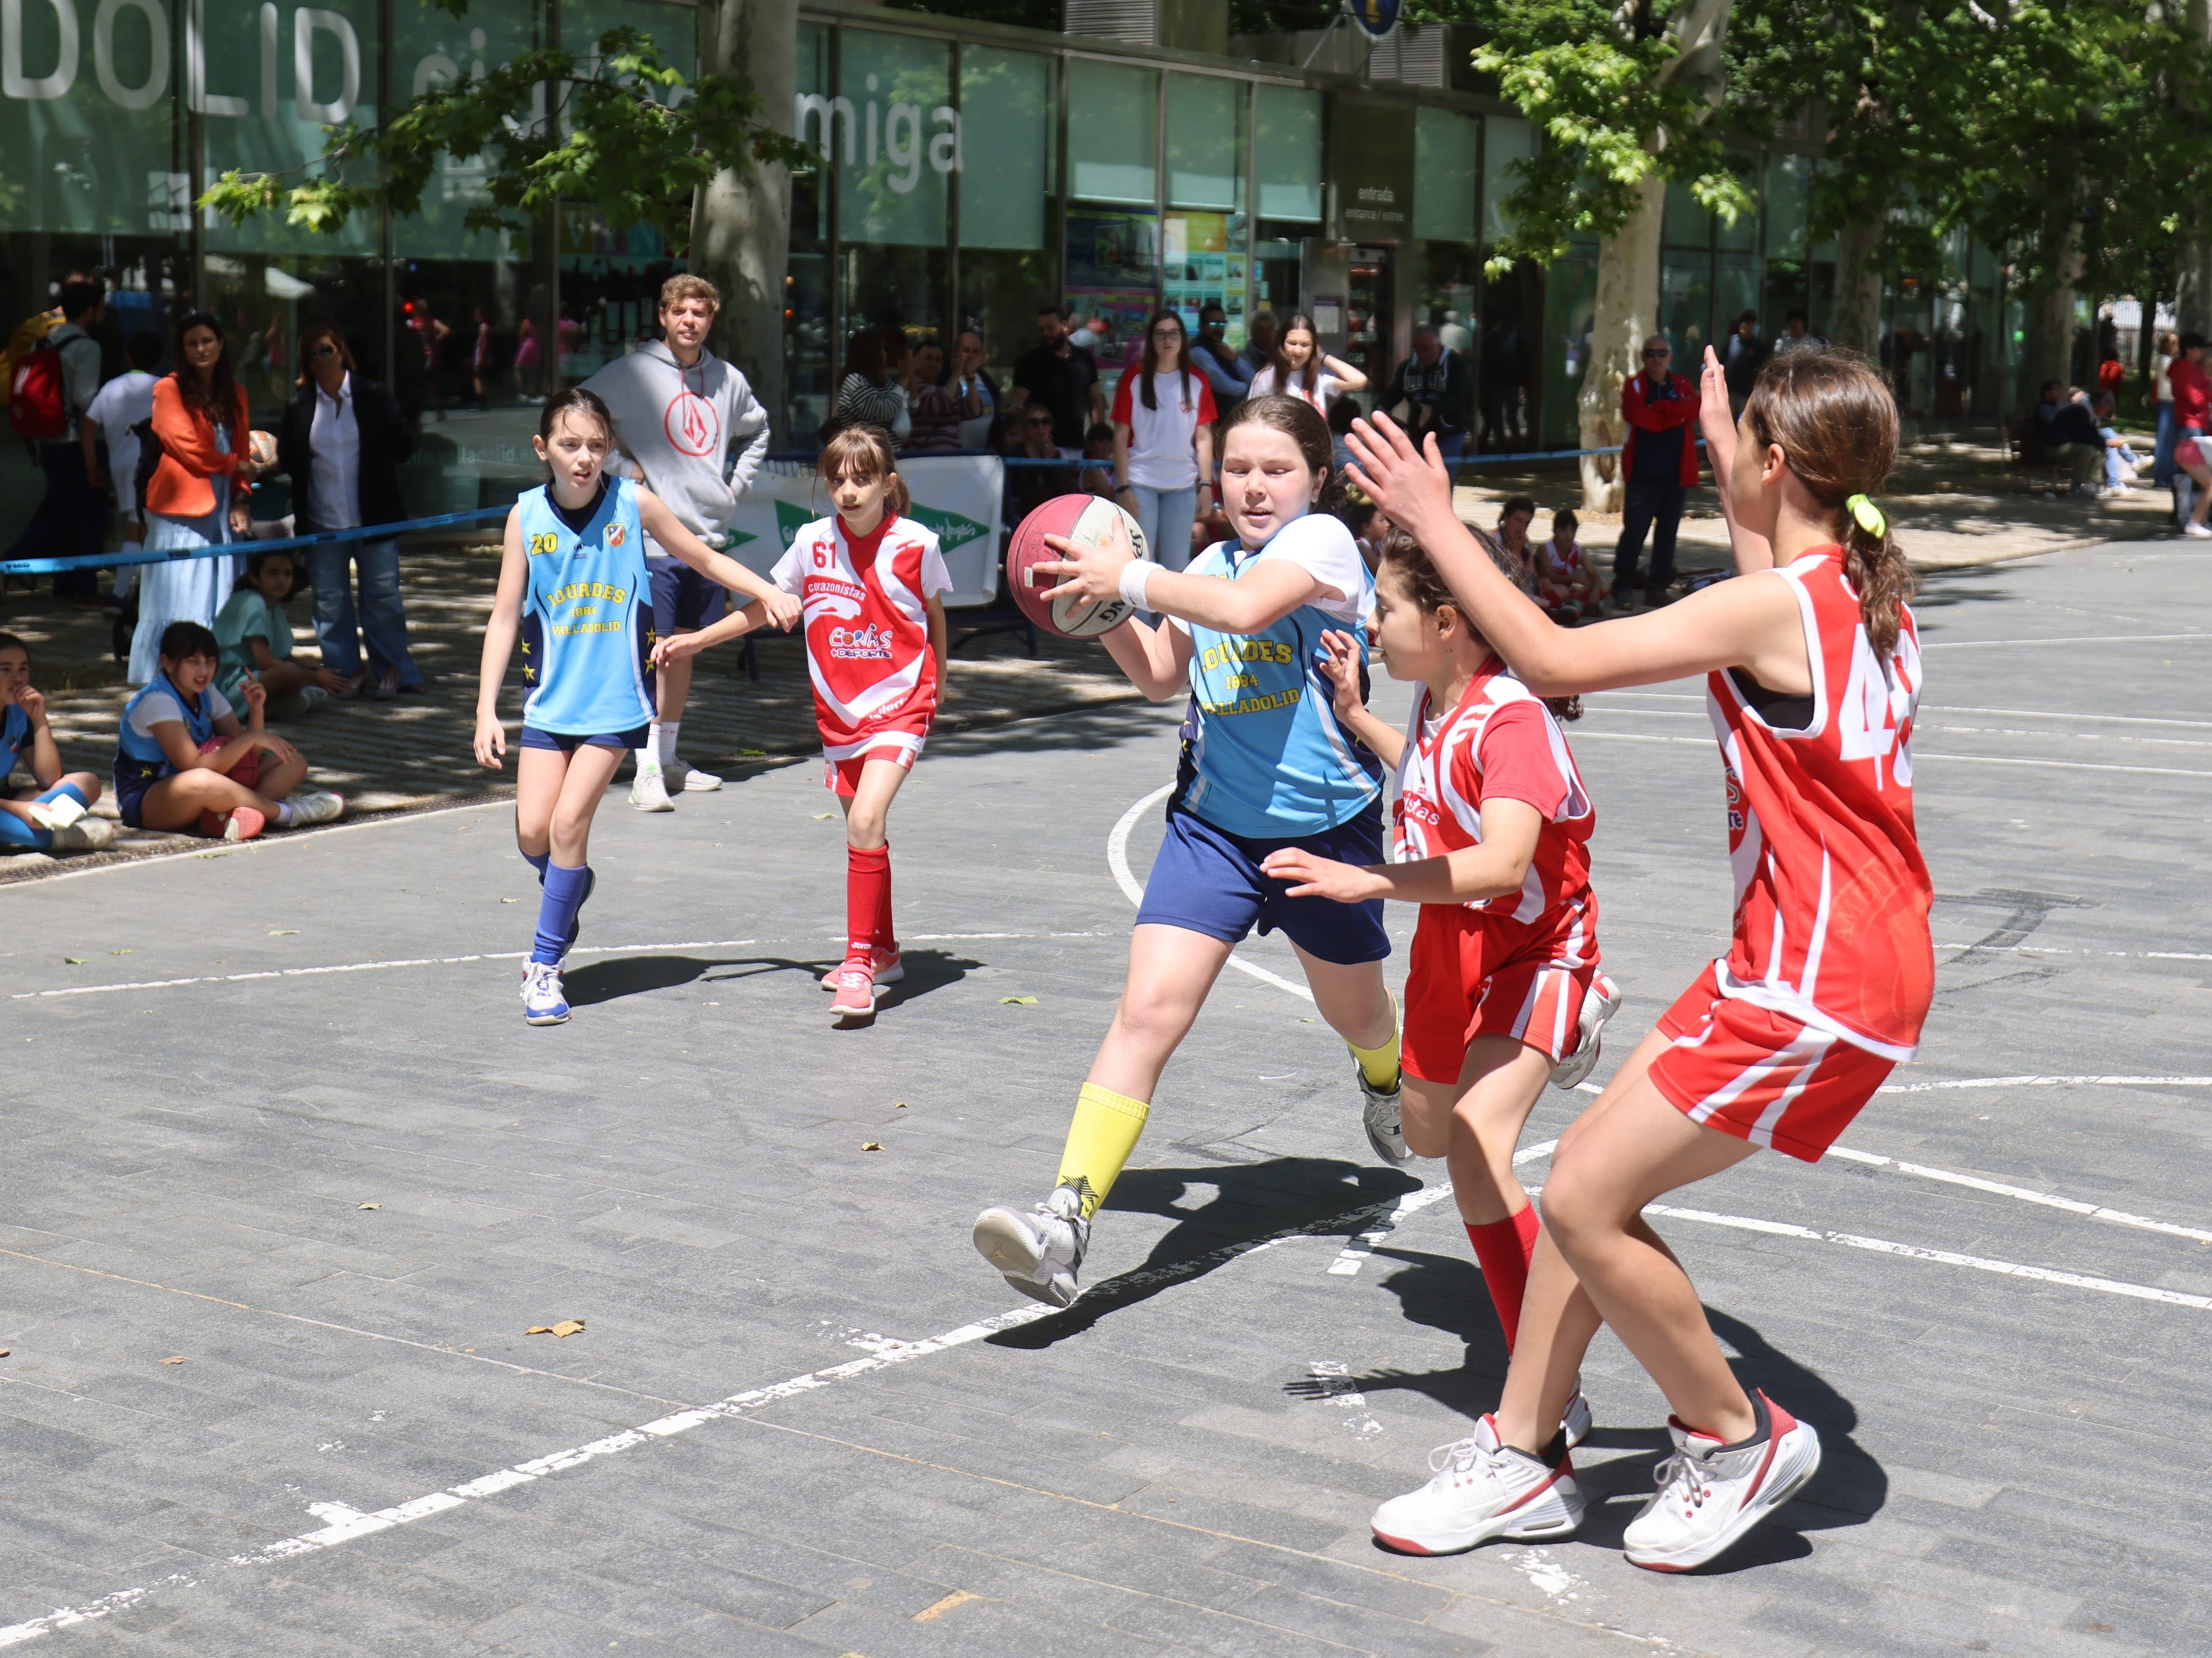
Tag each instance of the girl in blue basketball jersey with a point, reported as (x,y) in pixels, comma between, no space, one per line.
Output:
(1264,766)
(571,579)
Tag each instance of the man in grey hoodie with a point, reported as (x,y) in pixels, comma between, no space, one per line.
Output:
(688,422)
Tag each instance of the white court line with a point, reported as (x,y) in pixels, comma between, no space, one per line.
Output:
(1354,1254)
(2072,1206)
(1117,859)
(2083,639)
(1925,725)
(2047,1082)
(505,956)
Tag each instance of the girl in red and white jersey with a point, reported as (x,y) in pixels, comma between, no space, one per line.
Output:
(1493,835)
(1814,672)
(870,580)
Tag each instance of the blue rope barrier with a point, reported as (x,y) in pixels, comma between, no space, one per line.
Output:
(245,546)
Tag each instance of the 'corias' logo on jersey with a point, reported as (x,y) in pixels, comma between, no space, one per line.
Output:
(691,424)
(870,643)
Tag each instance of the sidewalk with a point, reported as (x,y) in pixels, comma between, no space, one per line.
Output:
(1953,507)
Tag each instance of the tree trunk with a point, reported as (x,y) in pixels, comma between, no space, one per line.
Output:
(2048,353)
(2192,300)
(741,223)
(1627,312)
(1856,323)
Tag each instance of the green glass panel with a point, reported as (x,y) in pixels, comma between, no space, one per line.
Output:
(1005,147)
(1113,131)
(1444,163)
(1290,154)
(86,143)
(1205,142)
(1505,140)
(891,184)
(1789,184)
(429,50)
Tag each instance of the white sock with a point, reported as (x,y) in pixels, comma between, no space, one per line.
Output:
(648,757)
(663,737)
(285,813)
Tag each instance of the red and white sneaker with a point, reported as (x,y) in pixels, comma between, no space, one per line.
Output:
(855,1000)
(884,964)
(1711,1494)
(1482,1490)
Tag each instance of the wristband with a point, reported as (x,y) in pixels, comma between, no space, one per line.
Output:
(1135,575)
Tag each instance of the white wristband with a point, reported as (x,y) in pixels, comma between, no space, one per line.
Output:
(1135,575)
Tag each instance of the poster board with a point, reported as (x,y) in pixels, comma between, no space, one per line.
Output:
(960,497)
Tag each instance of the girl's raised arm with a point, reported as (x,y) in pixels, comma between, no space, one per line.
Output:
(1750,624)
(500,630)
(1752,552)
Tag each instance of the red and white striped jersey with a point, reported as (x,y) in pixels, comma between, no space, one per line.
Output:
(1498,743)
(867,626)
(1832,895)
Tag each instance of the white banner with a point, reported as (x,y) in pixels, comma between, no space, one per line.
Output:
(957,497)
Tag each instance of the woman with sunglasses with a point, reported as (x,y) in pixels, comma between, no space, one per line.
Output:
(1029,435)
(1163,418)
(342,438)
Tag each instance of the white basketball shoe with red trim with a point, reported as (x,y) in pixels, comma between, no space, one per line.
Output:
(1711,1494)
(1482,1490)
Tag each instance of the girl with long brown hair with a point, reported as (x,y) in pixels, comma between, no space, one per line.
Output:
(1163,420)
(1300,368)
(1813,673)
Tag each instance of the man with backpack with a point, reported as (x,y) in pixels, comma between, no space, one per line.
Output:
(51,387)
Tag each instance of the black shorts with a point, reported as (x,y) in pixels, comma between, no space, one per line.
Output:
(683,601)
(568,743)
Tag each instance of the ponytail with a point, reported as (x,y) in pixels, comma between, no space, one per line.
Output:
(1835,419)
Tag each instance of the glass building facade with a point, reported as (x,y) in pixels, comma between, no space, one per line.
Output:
(965,172)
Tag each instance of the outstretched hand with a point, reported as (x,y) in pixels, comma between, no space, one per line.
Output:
(1313,876)
(1340,662)
(1410,484)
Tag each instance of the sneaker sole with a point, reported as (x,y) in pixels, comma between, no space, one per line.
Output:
(1001,1239)
(1778,1491)
(1458,1543)
(545,1018)
(691,787)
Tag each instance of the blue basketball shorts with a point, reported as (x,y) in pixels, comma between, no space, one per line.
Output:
(1207,880)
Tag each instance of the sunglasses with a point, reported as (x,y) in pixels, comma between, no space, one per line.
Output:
(1661,352)
(1040,420)
(322,351)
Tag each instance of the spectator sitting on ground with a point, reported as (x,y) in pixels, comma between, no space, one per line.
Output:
(183,761)
(2070,437)
(1097,475)
(1566,581)
(48,817)
(1513,521)
(255,635)
(2121,461)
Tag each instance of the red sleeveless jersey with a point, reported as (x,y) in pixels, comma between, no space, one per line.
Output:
(1832,895)
(1499,742)
(867,627)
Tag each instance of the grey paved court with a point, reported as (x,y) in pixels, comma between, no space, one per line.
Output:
(340,1198)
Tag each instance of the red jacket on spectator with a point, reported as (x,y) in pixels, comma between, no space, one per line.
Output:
(1681,410)
(2192,395)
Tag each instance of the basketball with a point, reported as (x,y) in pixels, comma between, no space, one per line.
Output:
(1088,521)
(261,449)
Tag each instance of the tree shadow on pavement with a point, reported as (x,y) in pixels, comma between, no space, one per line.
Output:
(1446,1293)
(1252,1204)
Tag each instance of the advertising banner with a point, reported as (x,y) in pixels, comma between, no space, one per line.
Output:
(956,496)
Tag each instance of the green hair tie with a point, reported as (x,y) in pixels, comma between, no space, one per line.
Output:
(1867,516)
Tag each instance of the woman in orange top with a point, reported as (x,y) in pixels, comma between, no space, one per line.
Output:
(194,499)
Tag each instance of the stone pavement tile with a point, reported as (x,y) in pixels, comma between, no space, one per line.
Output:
(545,1633)
(1378,1588)
(1090,1597)
(2008,1597)
(736,1594)
(968,1628)
(1232,1635)
(1989,1632)
(1109,1555)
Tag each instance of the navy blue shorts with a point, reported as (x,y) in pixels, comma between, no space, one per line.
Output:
(1208,881)
(683,601)
(132,779)
(563,743)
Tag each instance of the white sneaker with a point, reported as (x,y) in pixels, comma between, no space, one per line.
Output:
(86,835)
(315,806)
(648,791)
(690,779)
(1039,1252)
(544,1001)
(1482,1490)
(312,697)
(1598,1006)
(1575,1421)
(1380,1117)
(1711,1494)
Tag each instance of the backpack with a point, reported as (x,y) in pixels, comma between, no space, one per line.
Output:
(21,343)
(36,408)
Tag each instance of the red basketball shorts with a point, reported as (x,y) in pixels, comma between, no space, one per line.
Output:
(1467,976)
(1760,1075)
(842,771)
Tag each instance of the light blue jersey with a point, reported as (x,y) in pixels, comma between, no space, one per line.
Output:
(1263,755)
(139,755)
(14,738)
(586,617)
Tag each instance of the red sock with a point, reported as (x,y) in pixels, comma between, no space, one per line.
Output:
(1505,1248)
(867,897)
(886,937)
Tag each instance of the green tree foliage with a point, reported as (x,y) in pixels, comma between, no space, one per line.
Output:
(630,139)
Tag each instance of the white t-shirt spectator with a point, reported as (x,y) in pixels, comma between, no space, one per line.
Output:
(155,707)
(1164,440)
(1325,386)
(124,402)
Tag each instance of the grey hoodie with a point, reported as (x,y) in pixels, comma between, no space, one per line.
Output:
(697,434)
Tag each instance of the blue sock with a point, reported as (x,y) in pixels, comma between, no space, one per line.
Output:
(556,914)
(70,790)
(537,861)
(21,832)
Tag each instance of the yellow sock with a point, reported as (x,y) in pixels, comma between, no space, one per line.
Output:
(1380,1065)
(1099,1141)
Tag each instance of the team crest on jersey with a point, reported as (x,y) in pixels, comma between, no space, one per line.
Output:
(870,643)
(617,534)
